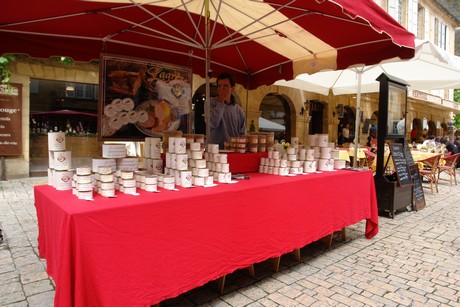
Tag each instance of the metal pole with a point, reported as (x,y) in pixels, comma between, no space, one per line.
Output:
(207,109)
(357,118)
(3,176)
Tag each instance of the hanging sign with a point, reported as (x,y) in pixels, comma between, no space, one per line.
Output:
(142,98)
(10,119)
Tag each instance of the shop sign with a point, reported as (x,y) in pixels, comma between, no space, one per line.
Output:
(141,98)
(10,119)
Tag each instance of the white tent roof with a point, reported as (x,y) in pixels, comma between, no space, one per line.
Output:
(265,124)
(431,68)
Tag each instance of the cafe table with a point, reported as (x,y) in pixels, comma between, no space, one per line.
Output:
(343,154)
(140,250)
(416,156)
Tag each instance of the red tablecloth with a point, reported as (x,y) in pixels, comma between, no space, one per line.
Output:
(140,250)
(245,163)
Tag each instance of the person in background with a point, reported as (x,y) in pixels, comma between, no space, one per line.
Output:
(429,141)
(401,126)
(413,135)
(346,133)
(450,147)
(457,141)
(226,117)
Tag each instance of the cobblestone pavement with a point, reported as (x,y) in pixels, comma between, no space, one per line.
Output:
(413,261)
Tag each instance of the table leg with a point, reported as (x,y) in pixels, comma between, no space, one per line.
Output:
(343,234)
(327,240)
(296,253)
(221,284)
(251,271)
(276,263)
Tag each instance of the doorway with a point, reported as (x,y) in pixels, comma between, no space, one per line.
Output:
(317,115)
(198,122)
(348,119)
(275,109)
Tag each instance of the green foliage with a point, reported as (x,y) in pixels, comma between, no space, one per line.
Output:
(5,72)
(63,60)
(457,121)
(457,95)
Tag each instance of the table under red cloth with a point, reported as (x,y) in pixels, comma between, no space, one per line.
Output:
(245,163)
(140,250)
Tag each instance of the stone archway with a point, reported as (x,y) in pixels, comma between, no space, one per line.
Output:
(417,125)
(432,128)
(277,108)
(348,118)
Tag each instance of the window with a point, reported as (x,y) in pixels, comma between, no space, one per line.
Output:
(421,22)
(397,10)
(49,95)
(440,34)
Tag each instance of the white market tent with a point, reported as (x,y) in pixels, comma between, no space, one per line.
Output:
(268,125)
(431,68)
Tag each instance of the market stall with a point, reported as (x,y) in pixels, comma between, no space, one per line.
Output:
(140,250)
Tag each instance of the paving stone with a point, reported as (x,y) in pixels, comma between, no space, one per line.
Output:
(45,299)
(236,299)
(346,301)
(268,303)
(253,292)
(23,303)
(270,285)
(437,298)
(282,300)
(306,300)
(38,287)
(12,297)
(415,297)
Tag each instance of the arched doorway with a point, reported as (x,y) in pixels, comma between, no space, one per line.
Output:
(317,117)
(199,125)
(348,118)
(417,125)
(275,108)
(431,128)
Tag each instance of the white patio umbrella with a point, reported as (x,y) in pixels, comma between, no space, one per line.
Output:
(265,124)
(431,68)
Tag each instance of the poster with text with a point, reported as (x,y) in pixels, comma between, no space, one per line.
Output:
(142,98)
(10,119)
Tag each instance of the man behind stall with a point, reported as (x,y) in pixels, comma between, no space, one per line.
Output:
(226,117)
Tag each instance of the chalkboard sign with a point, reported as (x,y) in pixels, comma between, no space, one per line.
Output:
(366,125)
(407,153)
(419,196)
(400,163)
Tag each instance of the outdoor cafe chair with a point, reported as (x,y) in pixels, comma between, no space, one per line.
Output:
(429,171)
(449,168)
(370,157)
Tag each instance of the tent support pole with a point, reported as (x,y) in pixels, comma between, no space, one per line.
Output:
(357,118)
(207,107)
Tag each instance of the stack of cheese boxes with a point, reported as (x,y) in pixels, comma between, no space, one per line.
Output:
(184,164)
(115,171)
(318,155)
(218,164)
(253,142)
(60,162)
(325,153)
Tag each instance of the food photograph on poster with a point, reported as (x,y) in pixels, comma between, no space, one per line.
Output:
(141,98)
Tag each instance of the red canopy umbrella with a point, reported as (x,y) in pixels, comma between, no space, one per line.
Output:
(258,42)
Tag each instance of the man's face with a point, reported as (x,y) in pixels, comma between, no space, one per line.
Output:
(224,87)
